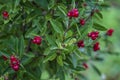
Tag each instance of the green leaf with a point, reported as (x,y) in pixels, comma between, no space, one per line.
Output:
(73,60)
(3,53)
(96,69)
(17,2)
(42,3)
(100,15)
(59,60)
(79,68)
(50,40)
(99,27)
(57,26)
(50,57)
(26,60)
(21,46)
(73,4)
(31,32)
(60,73)
(62,8)
(78,31)
(69,34)
(72,41)
(30,55)
(16,44)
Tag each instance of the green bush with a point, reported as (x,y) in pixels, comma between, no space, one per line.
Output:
(53,36)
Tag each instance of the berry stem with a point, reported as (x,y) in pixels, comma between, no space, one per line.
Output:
(28,47)
(92,13)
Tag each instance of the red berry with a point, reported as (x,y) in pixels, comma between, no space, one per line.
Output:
(93,35)
(4,57)
(96,46)
(89,34)
(15,67)
(85,65)
(110,32)
(12,57)
(5,15)
(82,22)
(73,13)
(37,40)
(14,62)
(80,43)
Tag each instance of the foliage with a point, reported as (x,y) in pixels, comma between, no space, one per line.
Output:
(58,53)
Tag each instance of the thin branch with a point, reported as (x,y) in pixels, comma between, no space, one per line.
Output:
(28,47)
(68,28)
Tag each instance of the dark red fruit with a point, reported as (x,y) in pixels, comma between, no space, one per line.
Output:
(73,13)
(93,35)
(110,32)
(85,65)
(96,46)
(82,22)
(4,57)
(14,62)
(5,15)
(80,43)
(37,40)
(15,67)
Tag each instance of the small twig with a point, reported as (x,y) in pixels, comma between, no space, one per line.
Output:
(28,47)
(14,77)
(92,13)
(67,29)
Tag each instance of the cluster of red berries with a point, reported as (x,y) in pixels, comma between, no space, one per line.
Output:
(73,13)
(14,62)
(96,46)
(37,40)
(80,43)
(93,35)
(5,15)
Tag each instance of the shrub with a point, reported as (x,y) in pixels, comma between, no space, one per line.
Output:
(57,36)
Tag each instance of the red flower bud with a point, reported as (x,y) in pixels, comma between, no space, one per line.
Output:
(73,13)
(110,32)
(5,15)
(93,35)
(15,67)
(82,22)
(80,43)
(37,40)
(85,65)
(14,62)
(96,46)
